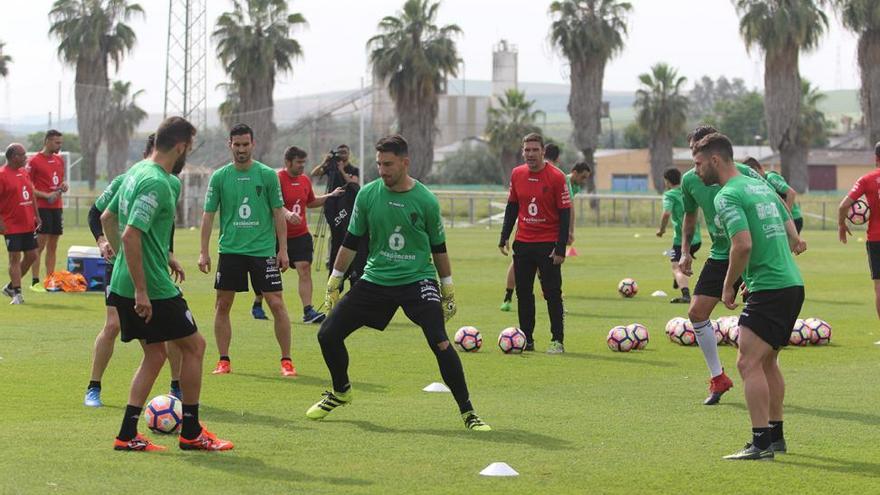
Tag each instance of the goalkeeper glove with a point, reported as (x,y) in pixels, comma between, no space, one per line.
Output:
(447,299)
(332,295)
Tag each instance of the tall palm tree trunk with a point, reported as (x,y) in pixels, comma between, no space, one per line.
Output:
(91,94)
(869,64)
(798,156)
(782,106)
(257,110)
(661,159)
(585,109)
(416,117)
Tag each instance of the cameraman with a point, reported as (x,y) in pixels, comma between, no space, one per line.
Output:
(337,210)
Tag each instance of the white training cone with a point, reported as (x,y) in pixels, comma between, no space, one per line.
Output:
(498,469)
(659,293)
(436,387)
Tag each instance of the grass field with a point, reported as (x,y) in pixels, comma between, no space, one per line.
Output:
(589,421)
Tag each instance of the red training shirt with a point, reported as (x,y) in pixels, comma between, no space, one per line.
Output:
(540,196)
(297,193)
(47,174)
(869,186)
(17,201)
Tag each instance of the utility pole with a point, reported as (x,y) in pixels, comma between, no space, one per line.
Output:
(186,62)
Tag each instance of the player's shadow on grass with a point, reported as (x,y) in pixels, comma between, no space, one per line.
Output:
(864,418)
(315,381)
(835,303)
(228,416)
(252,468)
(845,466)
(57,307)
(517,437)
(634,358)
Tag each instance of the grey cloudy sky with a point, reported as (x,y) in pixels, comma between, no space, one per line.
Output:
(697,36)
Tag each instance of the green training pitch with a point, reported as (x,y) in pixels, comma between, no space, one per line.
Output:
(588,421)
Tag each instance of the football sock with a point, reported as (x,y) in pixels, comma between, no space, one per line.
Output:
(761,438)
(225,358)
(191,427)
(776,431)
(258,304)
(508,295)
(453,376)
(286,359)
(129,422)
(16,290)
(685,292)
(35,281)
(175,384)
(706,340)
(95,384)
(307,309)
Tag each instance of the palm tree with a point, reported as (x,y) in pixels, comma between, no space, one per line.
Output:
(4,61)
(812,124)
(863,18)
(782,28)
(661,112)
(254,44)
(229,109)
(123,117)
(589,33)
(415,57)
(512,119)
(92,33)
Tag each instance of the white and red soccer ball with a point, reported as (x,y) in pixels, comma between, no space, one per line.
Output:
(163,414)
(821,331)
(801,334)
(725,323)
(620,340)
(628,288)
(683,333)
(672,324)
(512,340)
(468,339)
(858,213)
(639,335)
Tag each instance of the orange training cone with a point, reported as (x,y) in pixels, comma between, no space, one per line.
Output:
(571,251)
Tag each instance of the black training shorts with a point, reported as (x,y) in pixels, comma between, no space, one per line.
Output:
(771,314)
(675,255)
(799,224)
(51,221)
(711,281)
(171,320)
(300,248)
(873,248)
(20,242)
(233,271)
(373,305)
(108,274)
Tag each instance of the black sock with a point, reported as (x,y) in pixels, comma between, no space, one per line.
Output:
(35,281)
(286,359)
(307,309)
(16,290)
(175,384)
(685,292)
(258,304)
(453,376)
(95,384)
(508,295)
(191,427)
(776,431)
(761,438)
(225,358)
(129,427)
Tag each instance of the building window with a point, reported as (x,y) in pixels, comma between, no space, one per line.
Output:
(629,182)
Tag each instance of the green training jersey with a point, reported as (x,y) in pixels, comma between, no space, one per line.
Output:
(573,188)
(695,194)
(781,187)
(402,227)
(748,204)
(146,200)
(245,200)
(673,204)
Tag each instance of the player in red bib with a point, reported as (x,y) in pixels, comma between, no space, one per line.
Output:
(868,186)
(46,170)
(20,218)
(296,189)
(540,205)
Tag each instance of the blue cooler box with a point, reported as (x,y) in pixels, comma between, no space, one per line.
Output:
(88,262)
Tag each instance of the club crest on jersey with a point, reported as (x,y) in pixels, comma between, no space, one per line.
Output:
(414,217)
(259,190)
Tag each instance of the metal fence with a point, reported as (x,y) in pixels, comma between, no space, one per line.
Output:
(461,209)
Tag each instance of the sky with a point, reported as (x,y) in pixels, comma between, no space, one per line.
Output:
(699,37)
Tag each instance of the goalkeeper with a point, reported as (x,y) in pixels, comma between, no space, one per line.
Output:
(402,218)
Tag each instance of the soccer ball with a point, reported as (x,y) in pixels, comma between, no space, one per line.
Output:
(639,334)
(672,324)
(620,340)
(733,336)
(163,414)
(468,339)
(725,323)
(684,334)
(801,334)
(858,213)
(628,287)
(821,331)
(716,328)
(512,341)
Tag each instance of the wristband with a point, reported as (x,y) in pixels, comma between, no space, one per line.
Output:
(446,280)
(337,273)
